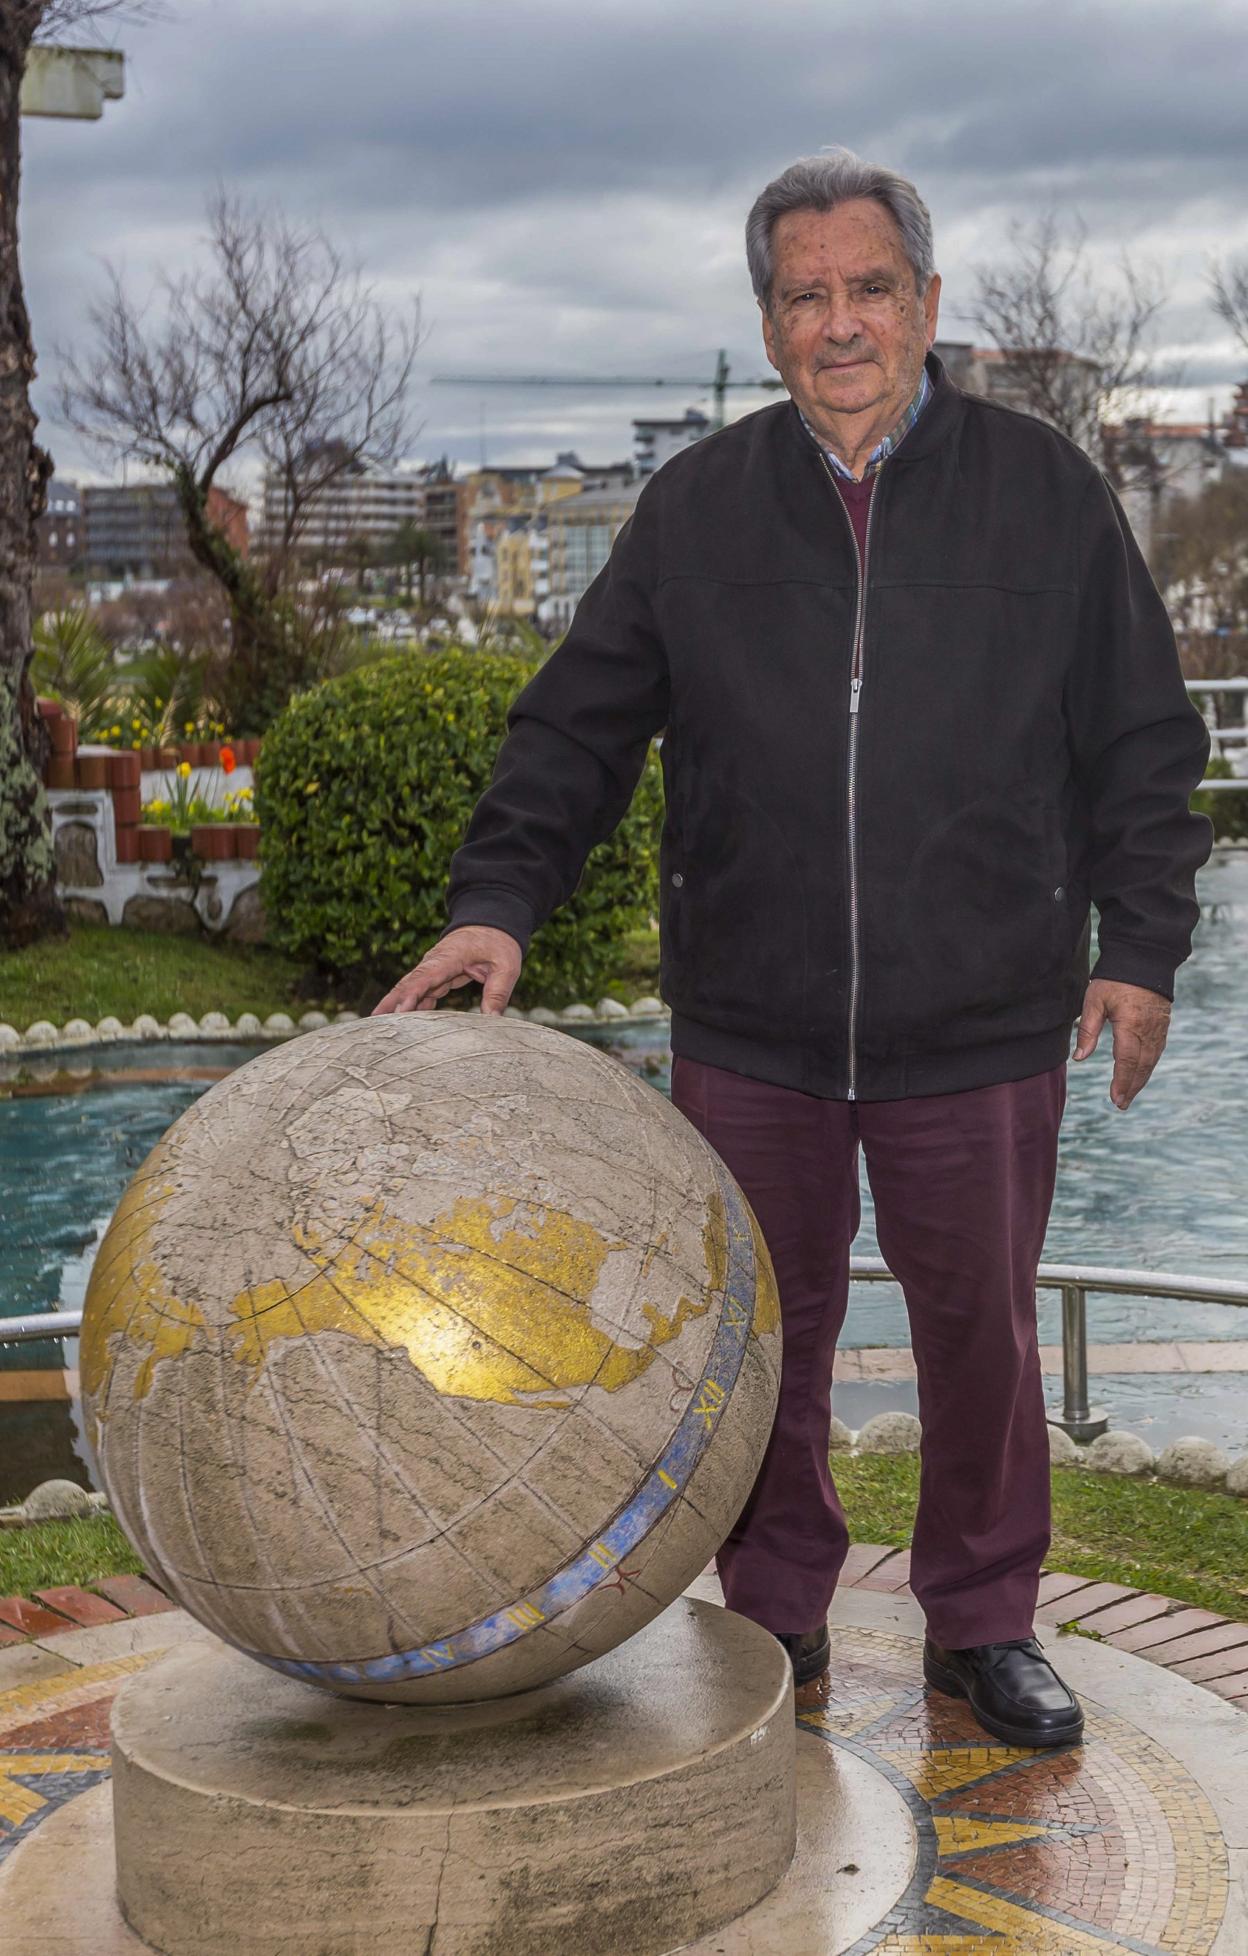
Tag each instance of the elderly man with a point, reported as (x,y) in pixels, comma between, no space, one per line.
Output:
(922,707)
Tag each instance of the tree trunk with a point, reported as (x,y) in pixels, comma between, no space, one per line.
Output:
(266,663)
(29,907)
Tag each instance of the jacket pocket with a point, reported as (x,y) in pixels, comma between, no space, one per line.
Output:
(982,921)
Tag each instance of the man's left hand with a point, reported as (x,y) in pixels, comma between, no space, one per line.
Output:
(1139,1019)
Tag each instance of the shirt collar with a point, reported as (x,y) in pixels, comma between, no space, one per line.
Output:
(887,443)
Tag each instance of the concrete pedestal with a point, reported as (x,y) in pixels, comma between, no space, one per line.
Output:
(633,1805)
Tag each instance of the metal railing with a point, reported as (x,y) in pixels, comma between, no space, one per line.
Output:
(1222,737)
(1074,1280)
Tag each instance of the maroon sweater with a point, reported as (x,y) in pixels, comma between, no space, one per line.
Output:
(856,497)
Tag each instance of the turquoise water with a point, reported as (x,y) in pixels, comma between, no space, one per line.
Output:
(1162,1187)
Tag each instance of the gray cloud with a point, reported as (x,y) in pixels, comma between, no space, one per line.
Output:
(566,184)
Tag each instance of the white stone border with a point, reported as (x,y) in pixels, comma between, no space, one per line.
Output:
(44,1037)
(1188,1462)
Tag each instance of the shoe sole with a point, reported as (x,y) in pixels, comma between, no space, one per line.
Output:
(953,1687)
(813,1665)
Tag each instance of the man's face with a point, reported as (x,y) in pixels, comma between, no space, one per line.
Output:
(847,331)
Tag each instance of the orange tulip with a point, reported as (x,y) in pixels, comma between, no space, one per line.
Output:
(227,760)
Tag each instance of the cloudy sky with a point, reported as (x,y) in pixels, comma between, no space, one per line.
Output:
(564,183)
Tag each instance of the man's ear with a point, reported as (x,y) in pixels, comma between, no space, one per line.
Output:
(931,305)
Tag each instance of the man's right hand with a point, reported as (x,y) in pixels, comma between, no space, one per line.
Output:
(474,951)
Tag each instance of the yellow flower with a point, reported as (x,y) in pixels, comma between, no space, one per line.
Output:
(188,726)
(184,768)
(135,725)
(115,730)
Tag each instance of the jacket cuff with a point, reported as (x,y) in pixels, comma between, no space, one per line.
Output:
(500,909)
(1125,963)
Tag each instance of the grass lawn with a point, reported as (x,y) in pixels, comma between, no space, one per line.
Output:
(1178,1542)
(57,1552)
(1183,1542)
(100,970)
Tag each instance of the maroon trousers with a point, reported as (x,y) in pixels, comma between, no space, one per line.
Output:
(962,1185)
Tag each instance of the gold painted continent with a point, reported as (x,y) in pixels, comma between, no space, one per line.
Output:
(490,1301)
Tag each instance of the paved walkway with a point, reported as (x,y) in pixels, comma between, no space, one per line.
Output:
(918,1835)
(1194,1355)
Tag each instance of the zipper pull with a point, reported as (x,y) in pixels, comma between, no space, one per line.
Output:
(855,687)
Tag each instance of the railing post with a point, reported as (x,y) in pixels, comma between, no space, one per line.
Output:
(1081,1421)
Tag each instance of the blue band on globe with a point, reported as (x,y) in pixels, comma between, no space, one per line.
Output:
(663,1485)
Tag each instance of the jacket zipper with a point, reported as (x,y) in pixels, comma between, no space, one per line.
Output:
(855,700)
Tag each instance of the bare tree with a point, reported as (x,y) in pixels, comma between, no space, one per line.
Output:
(1202,567)
(276,348)
(1079,353)
(1229,285)
(28,903)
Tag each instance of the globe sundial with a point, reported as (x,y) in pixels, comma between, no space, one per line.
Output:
(428,1359)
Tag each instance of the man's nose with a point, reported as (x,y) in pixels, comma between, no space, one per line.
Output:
(841,320)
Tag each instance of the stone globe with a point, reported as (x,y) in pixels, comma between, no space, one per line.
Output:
(429,1356)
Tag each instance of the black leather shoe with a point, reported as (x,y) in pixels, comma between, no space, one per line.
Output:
(810,1652)
(1012,1689)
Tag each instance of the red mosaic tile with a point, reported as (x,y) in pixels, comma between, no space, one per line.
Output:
(859,1562)
(135,1597)
(8,1636)
(31,1618)
(80,1606)
(80,1728)
(1065,1609)
(1092,1868)
(891,1574)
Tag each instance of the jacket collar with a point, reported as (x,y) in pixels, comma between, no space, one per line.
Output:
(938,420)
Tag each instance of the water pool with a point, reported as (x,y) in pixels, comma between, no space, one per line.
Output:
(1163,1187)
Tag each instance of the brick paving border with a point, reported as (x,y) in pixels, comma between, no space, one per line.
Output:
(1199,1645)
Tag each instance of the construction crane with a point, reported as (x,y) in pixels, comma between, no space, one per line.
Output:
(717,386)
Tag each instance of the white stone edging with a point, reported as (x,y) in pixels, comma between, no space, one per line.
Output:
(44,1037)
(1191,1461)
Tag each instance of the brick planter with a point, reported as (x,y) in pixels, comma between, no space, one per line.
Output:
(127,805)
(247,837)
(64,732)
(128,845)
(91,770)
(124,770)
(155,843)
(213,842)
(61,771)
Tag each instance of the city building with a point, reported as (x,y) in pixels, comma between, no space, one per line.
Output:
(136,530)
(368,504)
(580,531)
(654,440)
(506,540)
(58,533)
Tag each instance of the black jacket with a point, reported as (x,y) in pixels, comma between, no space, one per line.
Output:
(875,890)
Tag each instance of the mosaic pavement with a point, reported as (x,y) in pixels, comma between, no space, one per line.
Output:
(1109,1849)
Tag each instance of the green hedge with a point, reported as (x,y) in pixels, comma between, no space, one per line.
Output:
(1228,813)
(364,790)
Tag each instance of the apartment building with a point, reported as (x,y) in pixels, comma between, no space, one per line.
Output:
(136,530)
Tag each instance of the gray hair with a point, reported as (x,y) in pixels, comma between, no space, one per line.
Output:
(820,183)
